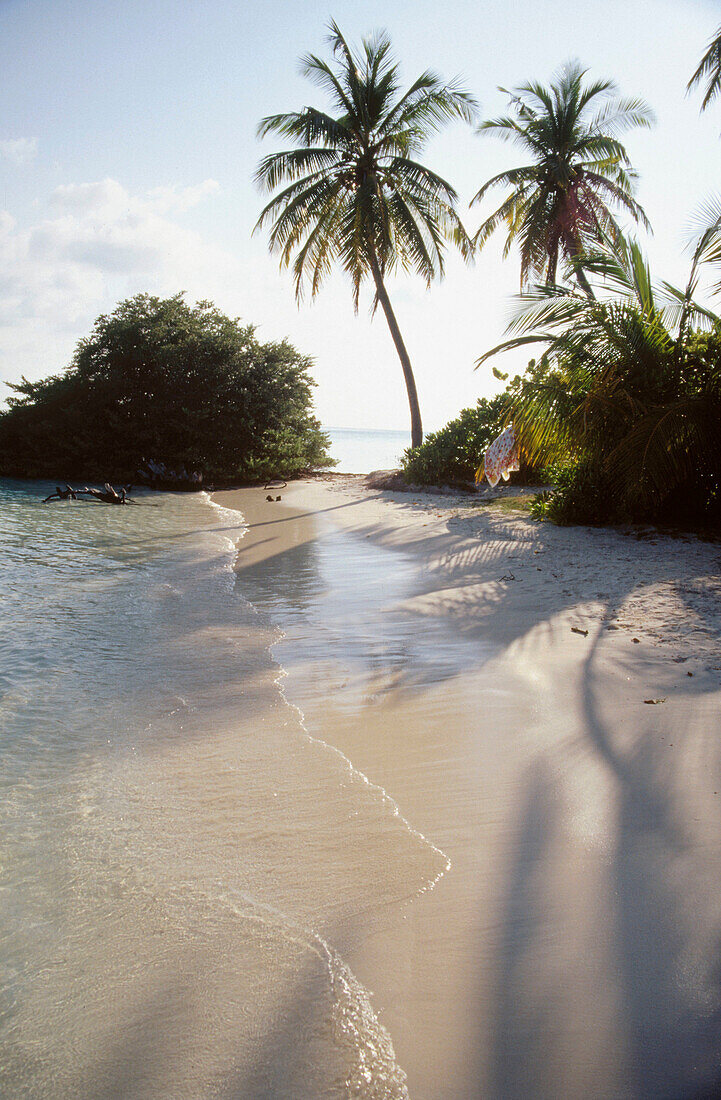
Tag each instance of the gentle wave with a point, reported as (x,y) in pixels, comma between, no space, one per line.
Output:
(161,803)
(443,863)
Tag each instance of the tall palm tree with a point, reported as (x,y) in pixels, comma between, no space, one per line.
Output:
(709,69)
(562,201)
(355,193)
(630,382)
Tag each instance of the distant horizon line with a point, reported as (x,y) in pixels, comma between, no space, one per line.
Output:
(365,431)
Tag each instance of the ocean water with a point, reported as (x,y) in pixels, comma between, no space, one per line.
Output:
(181,863)
(361,451)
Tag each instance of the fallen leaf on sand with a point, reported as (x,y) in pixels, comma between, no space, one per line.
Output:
(577,630)
(653,701)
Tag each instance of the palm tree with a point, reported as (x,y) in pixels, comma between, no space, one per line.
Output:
(561,202)
(631,383)
(709,69)
(355,193)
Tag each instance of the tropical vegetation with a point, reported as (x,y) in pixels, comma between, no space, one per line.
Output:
(626,398)
(450,455)
(623,404)
(160,380)
(353,191)
(709,70)
(562,201)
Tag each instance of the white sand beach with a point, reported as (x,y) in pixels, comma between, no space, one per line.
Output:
(546,714)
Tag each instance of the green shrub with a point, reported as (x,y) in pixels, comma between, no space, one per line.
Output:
(582,494)
(159,379)
(538,508)
(453,454)
(586,493)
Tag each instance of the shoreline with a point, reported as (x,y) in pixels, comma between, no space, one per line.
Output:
(569,949)
(679,600)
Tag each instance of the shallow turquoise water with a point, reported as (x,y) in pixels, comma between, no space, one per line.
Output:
(360,451)
(178,856)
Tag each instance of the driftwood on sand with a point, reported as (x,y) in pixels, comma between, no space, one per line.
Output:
(106,495)
(67,493)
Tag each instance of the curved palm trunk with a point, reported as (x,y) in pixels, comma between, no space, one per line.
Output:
(552,266)
(382,295)
(584,284)
(580,273)
(573,248)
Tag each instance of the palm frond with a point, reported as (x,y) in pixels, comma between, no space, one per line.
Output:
(709,69)
(308,126)
(619,115)
(512,177)
(580,170)
(682,309)
(292,165)
(512,344)
(669,446)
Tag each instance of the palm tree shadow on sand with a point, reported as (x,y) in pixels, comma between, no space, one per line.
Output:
(666,934)
(668,952)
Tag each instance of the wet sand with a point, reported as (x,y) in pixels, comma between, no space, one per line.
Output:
(571,947)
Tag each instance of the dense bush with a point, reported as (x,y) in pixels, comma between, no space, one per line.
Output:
(580,494)
(453,454)
(159,379)
(653,461)
(585,492)
(627,394)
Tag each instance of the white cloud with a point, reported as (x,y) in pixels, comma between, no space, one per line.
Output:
(103,227)
(178,199)
(106,198)
(98,243)
(18,150)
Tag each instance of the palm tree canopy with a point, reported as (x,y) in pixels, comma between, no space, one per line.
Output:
(562,200)
(354,191)
(709,70)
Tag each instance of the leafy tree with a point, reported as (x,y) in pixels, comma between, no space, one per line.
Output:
(452,454)
(709,69)
(159,379)
(354,192)
(629,393)
(561,202)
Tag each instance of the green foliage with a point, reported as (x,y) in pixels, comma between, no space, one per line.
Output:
(159,379)
(562,201)
(581,494)
(709,70)
(539,506)
(354,192)
(627,394)
(454,453)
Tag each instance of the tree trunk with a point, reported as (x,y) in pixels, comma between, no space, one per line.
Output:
(584,284)
(552,265)
(382,294)
(573,249)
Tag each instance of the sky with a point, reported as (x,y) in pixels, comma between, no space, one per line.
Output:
(128,148)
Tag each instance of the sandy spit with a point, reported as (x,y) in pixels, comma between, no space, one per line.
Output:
(570,770)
